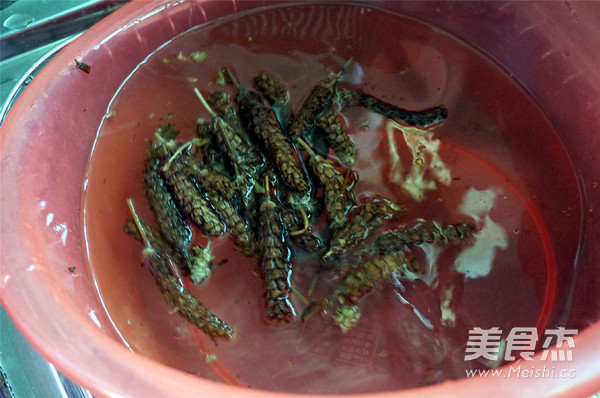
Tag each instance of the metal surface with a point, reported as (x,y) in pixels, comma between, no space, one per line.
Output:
(17,79)
(56,27)
(25,373)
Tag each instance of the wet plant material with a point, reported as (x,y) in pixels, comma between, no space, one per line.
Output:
(211,151)
(239,230)
(260,121)
(208,177)
(275,261)
(346,317)
(171,223)
(330,126)
(224,107)
(230,133)
(217,194)
(332,181)
(423,118)
(249,204)
(404,239)
(163,144)
(198,263)
(225,136)
(362,278)
(371,214)
(318,101)
(201,263)
(300,231)
(156,240)
(82,66)
(212,180)
(271,193)
(180,299)
(270,87)
(190,200)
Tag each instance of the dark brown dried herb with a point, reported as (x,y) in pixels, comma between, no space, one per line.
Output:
(270,87)
(208,177)
(156,240)
(230,133)
(210,150)
(189,198)
(225,136)
(197,263)
(401,240)
(179,298)
(217,190)
(425,117)
(169,220)
(260,121)
(240,231)
(330,126)
(224,107)
(364,276)
(370,215)
(318,101)
(183,302)
(336,203)
(300,232)
(275,262)
(212,180)
(248,192)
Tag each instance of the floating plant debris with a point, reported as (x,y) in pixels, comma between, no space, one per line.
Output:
(83,66)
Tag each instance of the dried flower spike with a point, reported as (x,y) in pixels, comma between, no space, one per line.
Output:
(275,261)
(180,299)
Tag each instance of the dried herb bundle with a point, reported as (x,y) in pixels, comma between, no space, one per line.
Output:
(211,183)
(260,121)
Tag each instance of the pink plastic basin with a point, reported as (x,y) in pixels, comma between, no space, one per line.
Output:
(551,48)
